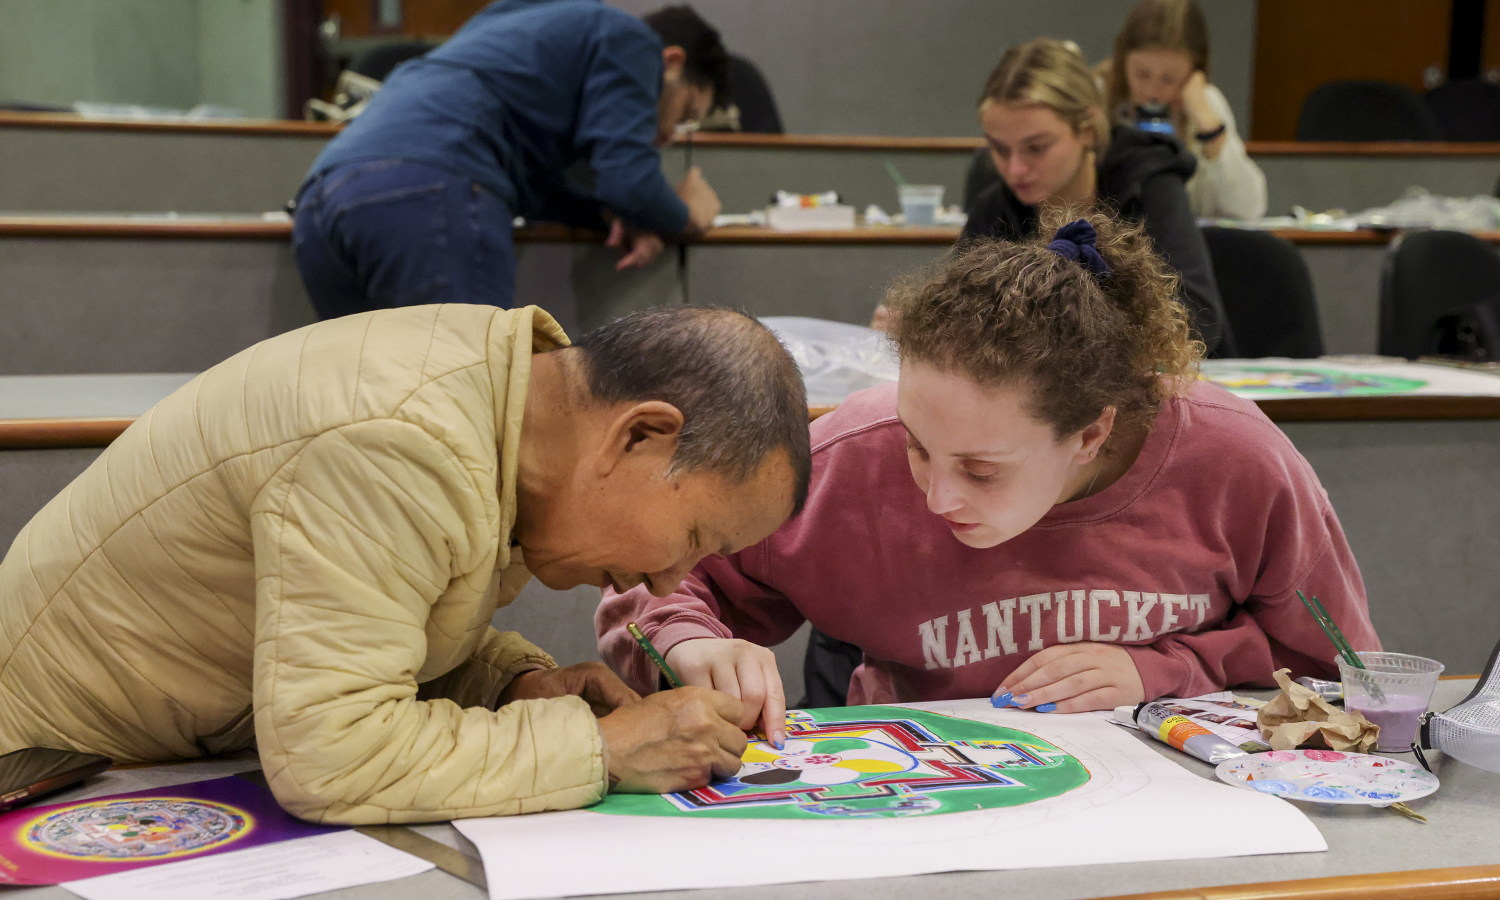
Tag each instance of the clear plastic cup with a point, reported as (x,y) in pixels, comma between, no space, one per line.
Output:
(1393,690)
(920,202)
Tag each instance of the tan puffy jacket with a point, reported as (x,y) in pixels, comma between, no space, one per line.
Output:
(316,530)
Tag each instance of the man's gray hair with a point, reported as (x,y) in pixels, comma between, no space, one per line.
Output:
(738,389)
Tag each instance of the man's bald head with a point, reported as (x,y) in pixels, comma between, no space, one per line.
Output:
(738,389)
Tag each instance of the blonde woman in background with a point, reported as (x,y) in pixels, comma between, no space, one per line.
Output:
(1043,118)
(1161,56)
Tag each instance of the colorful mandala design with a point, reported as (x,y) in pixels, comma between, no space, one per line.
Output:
(156,828)
(1265,383)
(875,762)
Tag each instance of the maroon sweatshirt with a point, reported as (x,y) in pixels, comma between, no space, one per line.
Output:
(1191,561)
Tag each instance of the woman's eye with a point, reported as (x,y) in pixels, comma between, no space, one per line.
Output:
(982,476)
(913,448)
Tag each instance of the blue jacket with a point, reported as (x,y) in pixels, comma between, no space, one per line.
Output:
(523,92)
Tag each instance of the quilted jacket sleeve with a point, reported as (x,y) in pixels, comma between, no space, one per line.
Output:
(354,542)
(478,680)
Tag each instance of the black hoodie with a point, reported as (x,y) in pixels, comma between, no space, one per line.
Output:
(1142,177)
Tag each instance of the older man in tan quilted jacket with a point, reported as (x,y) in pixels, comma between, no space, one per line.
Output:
(303,547)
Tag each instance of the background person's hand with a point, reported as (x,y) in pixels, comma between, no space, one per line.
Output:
(1195,103)
(673,741)
(1077,677)
(702,203)
(593,681)
(637,248)
(742,670)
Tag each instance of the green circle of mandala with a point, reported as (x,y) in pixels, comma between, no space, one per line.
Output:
(875,762)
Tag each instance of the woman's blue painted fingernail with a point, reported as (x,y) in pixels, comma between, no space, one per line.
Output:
(778,742)
(1000,700)
(1047,707)
(1021,700)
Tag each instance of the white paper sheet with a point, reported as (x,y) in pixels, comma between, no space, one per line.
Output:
(1136,807)
(296,868)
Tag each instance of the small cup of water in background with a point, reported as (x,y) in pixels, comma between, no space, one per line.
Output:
(1393,690)
(920,202)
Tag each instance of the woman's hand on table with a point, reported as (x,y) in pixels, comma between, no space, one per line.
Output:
(593,681)
(742,670)
(673,741)
(1077,677)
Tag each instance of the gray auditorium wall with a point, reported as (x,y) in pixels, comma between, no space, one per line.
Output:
(836,66)
(895,67)
(167,53)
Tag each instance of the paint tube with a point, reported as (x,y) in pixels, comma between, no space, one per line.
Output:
(1332,691)
(1159,721)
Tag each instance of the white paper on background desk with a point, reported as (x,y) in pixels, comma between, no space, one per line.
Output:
(278,871)
(1136,807)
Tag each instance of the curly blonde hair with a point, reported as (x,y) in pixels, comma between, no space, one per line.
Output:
(1003,313)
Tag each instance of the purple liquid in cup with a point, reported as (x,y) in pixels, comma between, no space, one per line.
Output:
(1397,719)
(1392,691)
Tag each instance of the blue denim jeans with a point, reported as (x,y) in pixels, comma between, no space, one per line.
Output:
(388,233)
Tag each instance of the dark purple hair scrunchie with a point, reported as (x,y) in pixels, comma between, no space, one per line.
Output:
(1077,241)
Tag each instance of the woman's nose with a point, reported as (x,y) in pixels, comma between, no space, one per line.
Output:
(940,498)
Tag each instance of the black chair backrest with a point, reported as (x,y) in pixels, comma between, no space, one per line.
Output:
(1365,111)
(1267,293)
(1428,274)
(749,91)
(378,61)
(1466,110)
(981,174)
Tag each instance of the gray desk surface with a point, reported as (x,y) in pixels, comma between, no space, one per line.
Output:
(84,396)
(1465,818)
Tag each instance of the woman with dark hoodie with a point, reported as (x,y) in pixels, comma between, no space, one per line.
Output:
(1043,117)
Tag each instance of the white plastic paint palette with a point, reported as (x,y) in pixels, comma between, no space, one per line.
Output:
(1328,776)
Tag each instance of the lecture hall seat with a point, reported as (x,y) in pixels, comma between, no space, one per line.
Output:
(1267,293)
(1365,111)
(1467,110)
(749,90)
(1428,274)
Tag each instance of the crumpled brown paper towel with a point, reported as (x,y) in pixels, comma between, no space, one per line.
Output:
(1298,716)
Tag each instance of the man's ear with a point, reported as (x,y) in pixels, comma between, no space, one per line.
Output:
(645,432)
(673,59)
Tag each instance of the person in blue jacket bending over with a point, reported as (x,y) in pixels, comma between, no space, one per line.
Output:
(551,110)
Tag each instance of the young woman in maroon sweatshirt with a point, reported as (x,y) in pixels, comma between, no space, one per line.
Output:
(1047,504)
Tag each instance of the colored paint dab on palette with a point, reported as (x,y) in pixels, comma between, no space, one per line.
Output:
(875,762)
(154,828)
(1257,382)
(1329,776)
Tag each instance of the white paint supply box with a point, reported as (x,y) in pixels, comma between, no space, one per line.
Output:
(810,218)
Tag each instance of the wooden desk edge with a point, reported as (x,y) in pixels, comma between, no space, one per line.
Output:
(1459,883)
(1411,408)
(1353,409)
(865,142)
(234,127)
(50,434)
(252,229)
(56,434)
